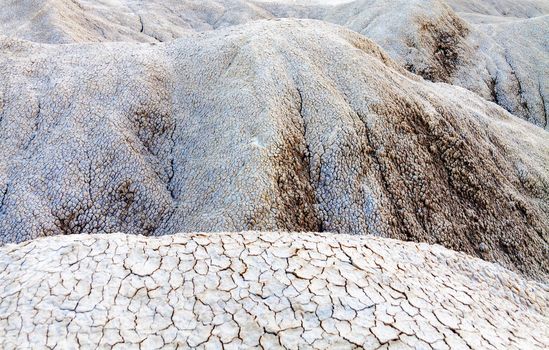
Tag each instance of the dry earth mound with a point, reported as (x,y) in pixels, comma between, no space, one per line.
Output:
(269,290)
(501,8)
(506,62)
(275,125)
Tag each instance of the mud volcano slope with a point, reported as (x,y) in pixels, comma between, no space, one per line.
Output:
(275,125)
(506,62)
(495,48)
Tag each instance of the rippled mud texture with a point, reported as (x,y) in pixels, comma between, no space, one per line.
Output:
(286,125)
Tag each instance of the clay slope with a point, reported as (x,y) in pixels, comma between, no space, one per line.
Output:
(268,290)
(275,125)
(502,8)
(506,62)
(59,21)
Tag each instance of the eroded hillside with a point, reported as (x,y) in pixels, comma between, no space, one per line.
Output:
(274,125)
(497,49)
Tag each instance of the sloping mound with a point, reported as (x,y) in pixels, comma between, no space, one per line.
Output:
(519,67)
(59,21)
(277,290)
(506,62)
(286,125)
(505,8)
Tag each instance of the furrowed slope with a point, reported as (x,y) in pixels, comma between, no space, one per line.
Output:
(274,125)
(506,62)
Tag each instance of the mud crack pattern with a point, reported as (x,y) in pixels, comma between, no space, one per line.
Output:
(261,290)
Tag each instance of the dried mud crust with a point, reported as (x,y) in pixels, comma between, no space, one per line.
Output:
(269,290)
(445,43)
